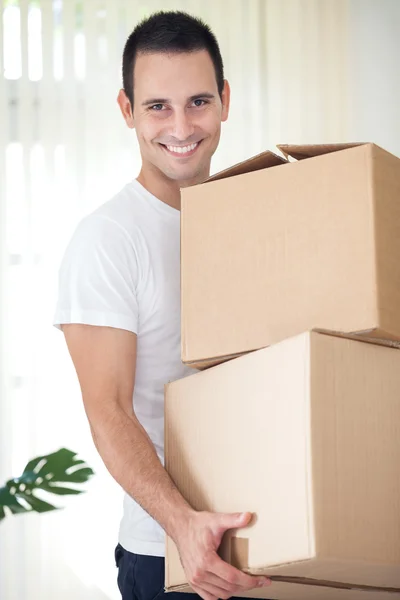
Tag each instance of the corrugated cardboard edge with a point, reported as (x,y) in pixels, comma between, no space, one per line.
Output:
(303,151)
(312,551)
(179,588)
(305,581)
(333,584)
(214,361)
(361,336)
(184,350)
(264,160)
(167,565)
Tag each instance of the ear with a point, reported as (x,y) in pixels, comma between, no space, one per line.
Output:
(226,97)
(126,108)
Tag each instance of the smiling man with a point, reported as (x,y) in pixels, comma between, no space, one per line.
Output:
(178,130)
(119,305)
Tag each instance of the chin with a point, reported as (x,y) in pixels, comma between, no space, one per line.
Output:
(195,175)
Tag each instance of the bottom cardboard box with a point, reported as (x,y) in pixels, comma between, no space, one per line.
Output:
(296,589)
(306,435)
(280,590)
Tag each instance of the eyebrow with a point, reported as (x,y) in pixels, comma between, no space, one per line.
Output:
(167,101)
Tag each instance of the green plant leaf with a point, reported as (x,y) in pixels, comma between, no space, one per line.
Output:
(59,490)
(37,504)
(44,473)
(9,500)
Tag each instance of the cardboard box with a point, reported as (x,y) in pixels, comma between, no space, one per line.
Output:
(306,435)
(313,244)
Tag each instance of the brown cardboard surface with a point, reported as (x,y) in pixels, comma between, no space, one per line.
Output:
(260,161)
(300,591)
(290,591)
(300,152)
(306,435)
(307,245)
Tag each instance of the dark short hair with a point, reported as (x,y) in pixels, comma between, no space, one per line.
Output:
(165,32)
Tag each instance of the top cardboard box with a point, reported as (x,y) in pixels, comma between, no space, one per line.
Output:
(271,248)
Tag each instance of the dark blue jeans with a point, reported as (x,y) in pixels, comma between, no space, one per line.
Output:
(142,577)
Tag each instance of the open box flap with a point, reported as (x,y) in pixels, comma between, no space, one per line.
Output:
(256,163)
(299,152)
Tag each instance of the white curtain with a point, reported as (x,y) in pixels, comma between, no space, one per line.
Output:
(64,149)
(374,74)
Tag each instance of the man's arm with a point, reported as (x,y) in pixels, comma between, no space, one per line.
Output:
(105,360)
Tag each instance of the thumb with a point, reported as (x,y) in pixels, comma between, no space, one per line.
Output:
(234,520)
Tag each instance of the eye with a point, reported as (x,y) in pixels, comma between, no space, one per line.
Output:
(157,107)
(199,102)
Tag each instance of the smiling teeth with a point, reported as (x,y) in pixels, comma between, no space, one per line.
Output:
(182,149)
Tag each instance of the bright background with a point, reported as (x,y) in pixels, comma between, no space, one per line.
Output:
(300,71)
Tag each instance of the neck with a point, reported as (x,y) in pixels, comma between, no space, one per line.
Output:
(165,189)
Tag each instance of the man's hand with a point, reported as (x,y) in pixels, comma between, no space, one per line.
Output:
(208,575)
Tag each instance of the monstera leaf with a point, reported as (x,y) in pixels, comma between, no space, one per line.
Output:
(44,473)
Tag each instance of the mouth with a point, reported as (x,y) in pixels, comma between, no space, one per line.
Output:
(182,151)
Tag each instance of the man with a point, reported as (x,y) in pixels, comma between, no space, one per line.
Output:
(119,304)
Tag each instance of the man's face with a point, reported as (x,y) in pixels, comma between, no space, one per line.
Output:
(177,114)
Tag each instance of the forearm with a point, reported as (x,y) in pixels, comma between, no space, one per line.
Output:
(131,458)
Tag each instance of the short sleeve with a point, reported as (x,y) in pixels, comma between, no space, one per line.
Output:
(98,277)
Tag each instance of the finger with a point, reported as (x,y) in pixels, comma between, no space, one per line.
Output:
(234,520)
(224,586)
(235,577)
(213,590)
(203,594)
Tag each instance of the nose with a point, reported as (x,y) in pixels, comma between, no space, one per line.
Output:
(183,127)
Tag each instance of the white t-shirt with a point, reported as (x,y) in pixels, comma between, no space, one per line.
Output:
(122,269)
